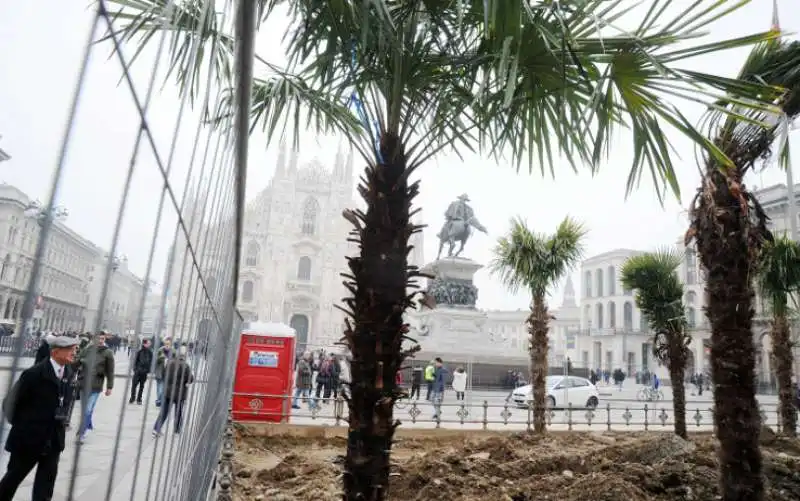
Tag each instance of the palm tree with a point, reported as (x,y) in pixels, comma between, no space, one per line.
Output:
(729,228)
(535,81)
(535,262)
(659,295)
(779,276)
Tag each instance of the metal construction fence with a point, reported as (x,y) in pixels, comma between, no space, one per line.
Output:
(490,414)
(141,222)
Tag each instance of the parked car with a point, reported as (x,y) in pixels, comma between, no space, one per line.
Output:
(561,392)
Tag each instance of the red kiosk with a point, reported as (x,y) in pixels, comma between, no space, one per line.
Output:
(264,373)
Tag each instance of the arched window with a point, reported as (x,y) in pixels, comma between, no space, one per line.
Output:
(644,326)
(612,281)
(7,313)
(588,284)
(5,268)
(612,315)
(310,212)
(691,318)
(691,297)
(247,291)
(598,276)
(211,286)
(304,268)
(251,258)
(627,316)
(587,315)
(599,309)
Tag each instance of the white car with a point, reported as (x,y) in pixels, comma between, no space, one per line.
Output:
(561,391)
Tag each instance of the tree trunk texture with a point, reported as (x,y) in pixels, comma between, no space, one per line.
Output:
(378,283)
(677,370)
(538,325)
(727,247)
(782,353)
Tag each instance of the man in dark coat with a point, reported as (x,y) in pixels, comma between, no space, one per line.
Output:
(177,377)
(141,368)
(37,407)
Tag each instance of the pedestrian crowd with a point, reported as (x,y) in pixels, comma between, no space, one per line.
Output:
(69,368)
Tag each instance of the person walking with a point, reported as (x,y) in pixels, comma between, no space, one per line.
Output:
(460,383)
(416,381)
(97,364)
(142,363)
(177,378)
(437,392)
(43,353)
(164,355)
(303,379)
(430,372)
(37,407)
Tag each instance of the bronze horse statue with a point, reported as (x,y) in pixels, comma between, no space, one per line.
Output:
(457,231)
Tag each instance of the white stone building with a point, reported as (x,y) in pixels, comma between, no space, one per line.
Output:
(67,300)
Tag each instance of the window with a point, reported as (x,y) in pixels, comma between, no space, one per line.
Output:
(598,276)
(588,284)
(691,319)
(304,268)
(252,254)
(691,277)
(612,315)
(644,325)
(5,268)
(247,291)
(599,309)
(612,281)
(691,267)
(310,212)
(627,316)
(577,382)
(211,286)
(587,315)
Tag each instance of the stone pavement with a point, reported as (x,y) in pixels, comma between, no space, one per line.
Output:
(91,477)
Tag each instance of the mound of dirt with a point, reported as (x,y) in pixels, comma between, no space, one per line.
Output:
(522,467)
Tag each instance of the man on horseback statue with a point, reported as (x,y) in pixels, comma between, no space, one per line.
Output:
(459,221)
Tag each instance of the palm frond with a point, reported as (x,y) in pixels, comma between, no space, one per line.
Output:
(659,295)
(779,273)
(524,259)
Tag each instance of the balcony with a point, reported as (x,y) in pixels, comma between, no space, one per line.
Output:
(303,288)
(607,332)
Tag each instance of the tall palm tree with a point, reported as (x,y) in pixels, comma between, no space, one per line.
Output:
(659,294)
(779,277)
(729,227)
(533,80)
(536,262)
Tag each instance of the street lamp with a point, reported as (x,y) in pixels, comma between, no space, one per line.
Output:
(41,213)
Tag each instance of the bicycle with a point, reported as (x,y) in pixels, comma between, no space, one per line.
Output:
(402,401)
(649,394)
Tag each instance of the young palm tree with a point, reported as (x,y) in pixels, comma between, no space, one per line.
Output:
(533,80)
(659,295)
(535,262)
(729,228)
(779,276)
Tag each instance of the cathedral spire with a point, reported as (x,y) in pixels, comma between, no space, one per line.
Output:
(293,162)
(338,166)
(569,294)
(348,169)
(280,170)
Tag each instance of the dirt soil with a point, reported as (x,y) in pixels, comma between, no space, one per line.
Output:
(519,467)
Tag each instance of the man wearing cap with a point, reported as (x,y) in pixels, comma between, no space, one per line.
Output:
(37,408)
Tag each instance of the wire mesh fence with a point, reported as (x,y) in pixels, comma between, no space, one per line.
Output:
(127,415)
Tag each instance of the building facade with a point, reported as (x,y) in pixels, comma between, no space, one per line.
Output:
(66,299)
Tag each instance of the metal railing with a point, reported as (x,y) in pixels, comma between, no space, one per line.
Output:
(619,415)
(144,174)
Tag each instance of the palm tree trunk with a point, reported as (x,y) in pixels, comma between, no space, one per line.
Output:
(677,369)
(727,248)
(782,353)
(378,281)
(538,325)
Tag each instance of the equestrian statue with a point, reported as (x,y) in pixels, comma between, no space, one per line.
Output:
(459,221)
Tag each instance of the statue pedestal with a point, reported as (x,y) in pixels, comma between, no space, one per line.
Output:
(452,285)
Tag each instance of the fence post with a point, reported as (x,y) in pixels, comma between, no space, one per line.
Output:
(225,475)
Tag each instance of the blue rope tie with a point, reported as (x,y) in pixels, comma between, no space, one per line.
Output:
(361,111)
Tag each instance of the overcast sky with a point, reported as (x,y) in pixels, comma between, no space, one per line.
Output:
(42,44)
